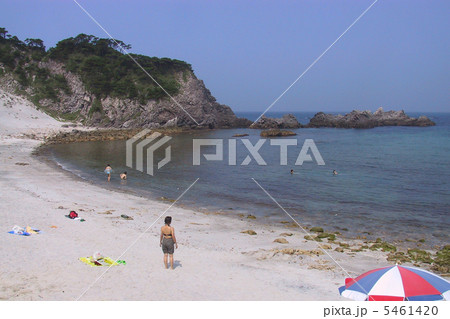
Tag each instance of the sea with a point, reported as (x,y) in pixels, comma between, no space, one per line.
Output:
(392,183)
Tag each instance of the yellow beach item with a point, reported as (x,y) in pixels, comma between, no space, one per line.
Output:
(103,262)
(29,230)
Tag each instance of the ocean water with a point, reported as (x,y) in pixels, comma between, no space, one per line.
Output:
(393,182)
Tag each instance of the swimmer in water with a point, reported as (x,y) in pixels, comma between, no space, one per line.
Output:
(108,170)
(292,172)
(335,172)
(123,176)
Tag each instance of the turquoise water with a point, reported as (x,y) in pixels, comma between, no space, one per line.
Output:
(393,182)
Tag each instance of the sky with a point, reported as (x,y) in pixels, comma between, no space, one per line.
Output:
(249,52)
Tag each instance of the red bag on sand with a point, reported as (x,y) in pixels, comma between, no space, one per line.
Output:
(73,214)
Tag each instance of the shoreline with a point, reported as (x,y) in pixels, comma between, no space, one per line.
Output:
(363,241)
(90,210)
(103,135)
(91,134)
(397,250)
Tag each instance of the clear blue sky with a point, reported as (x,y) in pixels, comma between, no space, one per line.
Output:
(249,52)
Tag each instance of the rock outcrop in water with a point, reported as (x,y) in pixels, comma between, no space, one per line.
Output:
(367,119)
(288,121)
(276,133)
(354,119)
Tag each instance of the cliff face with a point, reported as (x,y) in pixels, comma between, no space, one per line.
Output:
(193,96)
(84,106)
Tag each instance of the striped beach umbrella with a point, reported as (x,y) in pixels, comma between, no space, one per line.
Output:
(396,283)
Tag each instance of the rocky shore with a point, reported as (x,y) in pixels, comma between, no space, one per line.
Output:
(272,127)
(82,135)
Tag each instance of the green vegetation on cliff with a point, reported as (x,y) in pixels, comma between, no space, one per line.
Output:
(106,71)
(21,59)
(102,66)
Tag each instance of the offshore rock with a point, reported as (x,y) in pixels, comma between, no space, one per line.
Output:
(288,121)
(276,133)
(367,119)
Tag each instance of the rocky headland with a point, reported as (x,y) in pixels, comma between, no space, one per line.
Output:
(90,80)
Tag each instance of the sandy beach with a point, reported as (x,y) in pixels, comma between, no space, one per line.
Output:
(215,260)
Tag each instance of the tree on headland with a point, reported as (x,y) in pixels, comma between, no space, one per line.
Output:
(15,41)
(119,45)
(12,40)
(87,45)
(101,63)
(36,44)
(3,33)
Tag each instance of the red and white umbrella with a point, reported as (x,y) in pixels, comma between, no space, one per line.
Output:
(396,283)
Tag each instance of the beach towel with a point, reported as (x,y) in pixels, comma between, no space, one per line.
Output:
(27,231)
(30,230)
(106,261)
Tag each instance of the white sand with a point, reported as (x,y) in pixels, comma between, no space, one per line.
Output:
(19,117)
(215,261)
